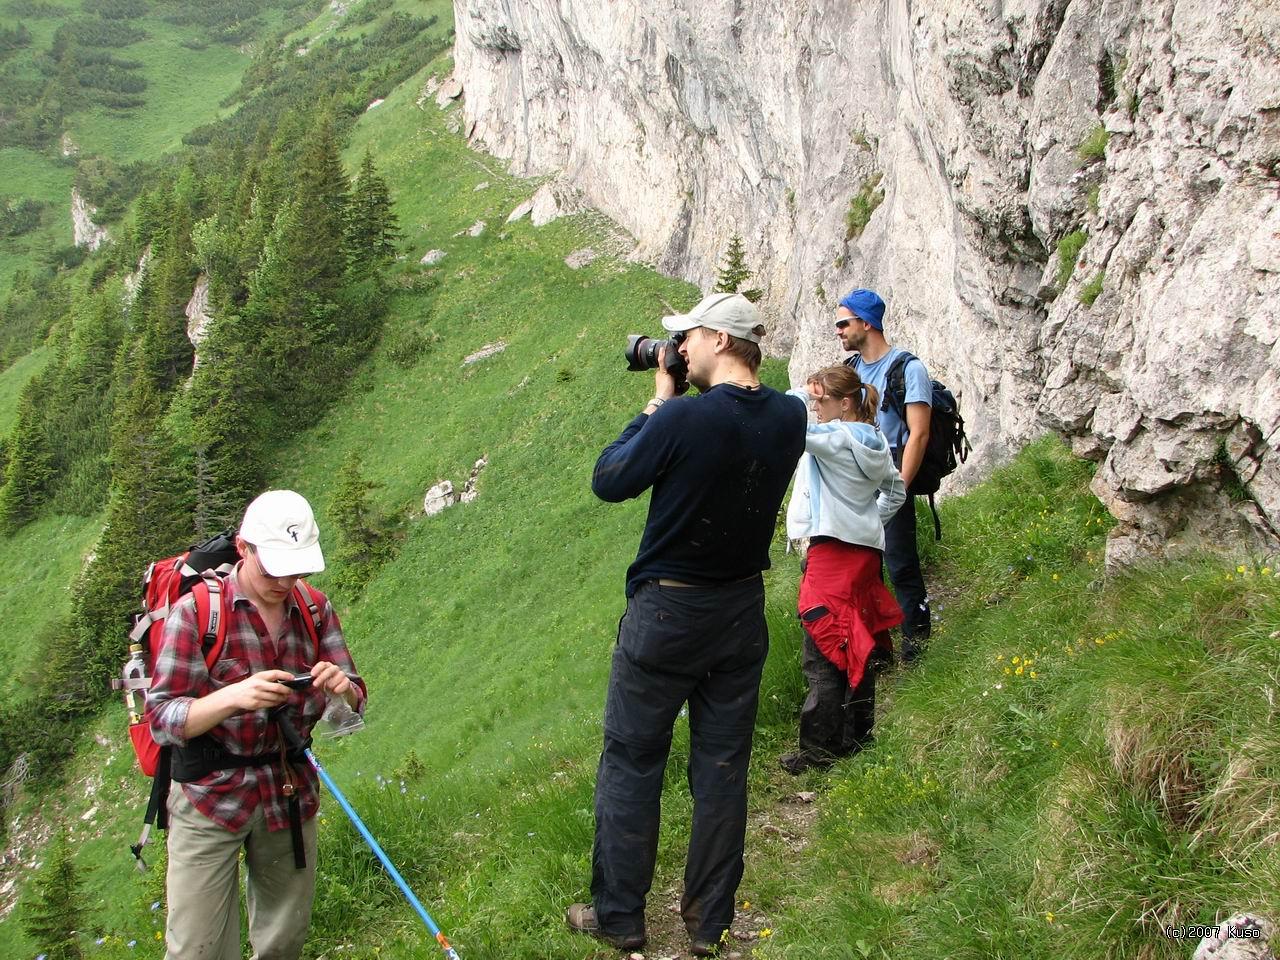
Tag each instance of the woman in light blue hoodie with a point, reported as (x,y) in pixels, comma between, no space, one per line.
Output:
(846,488)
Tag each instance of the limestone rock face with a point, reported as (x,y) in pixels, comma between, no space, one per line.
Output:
(198,318)
(86,233)
(958,128)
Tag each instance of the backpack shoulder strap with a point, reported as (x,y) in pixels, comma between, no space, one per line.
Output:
(312,602)
(895,385)
(211,615)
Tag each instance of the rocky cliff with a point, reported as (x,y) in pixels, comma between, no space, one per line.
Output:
(1072,207)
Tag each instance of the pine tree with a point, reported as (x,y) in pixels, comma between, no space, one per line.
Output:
(53,915)
(165,347)
(362,538)
(372,226)
(29,469)
(734,273)
(318,251)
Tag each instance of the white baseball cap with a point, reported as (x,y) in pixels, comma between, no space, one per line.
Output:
(731,312)
(282,528)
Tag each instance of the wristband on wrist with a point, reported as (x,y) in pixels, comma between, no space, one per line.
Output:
(655,402)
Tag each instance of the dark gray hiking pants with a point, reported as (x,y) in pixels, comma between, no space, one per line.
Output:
(705,646)
(902,558)
(835,720)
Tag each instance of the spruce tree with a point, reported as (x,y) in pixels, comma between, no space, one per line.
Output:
(734,273)
(318,251)
(148,516)
(29,469)
(165,346)
(54,913)
(362,539)
(372,225)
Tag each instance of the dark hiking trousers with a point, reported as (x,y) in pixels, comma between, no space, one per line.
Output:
(705,646)
(836,720)
(902,559)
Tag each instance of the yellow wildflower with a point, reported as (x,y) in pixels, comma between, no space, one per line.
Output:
(1018,671)
(1033,674)
(1049,917)
(1240,569)
(1016,661)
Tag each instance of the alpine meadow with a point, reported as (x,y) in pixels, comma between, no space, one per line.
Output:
(1085,760)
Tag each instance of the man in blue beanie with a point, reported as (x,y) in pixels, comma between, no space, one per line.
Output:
(904,419)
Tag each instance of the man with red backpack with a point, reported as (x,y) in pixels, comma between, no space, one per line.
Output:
(239,786)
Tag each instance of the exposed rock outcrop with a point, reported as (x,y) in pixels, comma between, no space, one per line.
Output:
(86,233)
(134,280)
(439,498)
(972,139)
(198,317)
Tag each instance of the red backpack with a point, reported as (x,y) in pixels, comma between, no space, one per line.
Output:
(198,571)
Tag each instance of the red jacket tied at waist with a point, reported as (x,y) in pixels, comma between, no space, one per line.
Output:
(844,604)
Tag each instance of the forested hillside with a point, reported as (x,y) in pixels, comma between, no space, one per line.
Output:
(1067,803)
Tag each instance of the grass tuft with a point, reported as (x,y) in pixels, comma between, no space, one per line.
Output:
(1069,254)
(1094,146)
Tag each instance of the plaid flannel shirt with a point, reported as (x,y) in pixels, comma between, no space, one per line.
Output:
(229,797)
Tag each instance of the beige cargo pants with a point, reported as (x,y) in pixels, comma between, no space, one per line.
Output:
(203,884)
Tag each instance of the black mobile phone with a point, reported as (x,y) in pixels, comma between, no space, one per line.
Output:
(300,681)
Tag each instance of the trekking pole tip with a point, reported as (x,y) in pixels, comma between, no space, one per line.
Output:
(449,952)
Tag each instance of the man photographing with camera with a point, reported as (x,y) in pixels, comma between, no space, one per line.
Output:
(694,631)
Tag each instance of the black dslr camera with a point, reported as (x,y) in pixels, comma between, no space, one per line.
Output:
(642,354)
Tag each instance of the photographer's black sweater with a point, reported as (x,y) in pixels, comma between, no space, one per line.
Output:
(719,464)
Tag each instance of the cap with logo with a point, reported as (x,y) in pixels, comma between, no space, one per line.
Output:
(282,528)
(731,312)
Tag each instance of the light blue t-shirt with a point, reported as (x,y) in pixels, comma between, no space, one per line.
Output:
(916,378)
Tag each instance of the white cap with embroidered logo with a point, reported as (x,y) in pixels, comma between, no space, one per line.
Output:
(731,312)
(283,529)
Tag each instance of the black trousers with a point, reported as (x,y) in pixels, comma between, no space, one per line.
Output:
(835,720)
(902,559)
(706,647)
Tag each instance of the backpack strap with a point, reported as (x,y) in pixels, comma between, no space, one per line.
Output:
(211,624)
(160,613)
(211,615)
(895,385)
(312,601)
(937,521)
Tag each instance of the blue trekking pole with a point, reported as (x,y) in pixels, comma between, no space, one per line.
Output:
(297,745)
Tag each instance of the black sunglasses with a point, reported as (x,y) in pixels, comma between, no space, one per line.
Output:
(841,323)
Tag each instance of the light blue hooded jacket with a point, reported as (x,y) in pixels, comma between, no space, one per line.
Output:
(846,485)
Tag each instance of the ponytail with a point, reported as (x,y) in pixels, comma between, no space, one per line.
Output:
(841,381)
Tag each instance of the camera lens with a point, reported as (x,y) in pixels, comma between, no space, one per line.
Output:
(642,352)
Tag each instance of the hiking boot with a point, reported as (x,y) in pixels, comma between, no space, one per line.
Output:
(581,918)
(797,763)
(705,948)
(913,649)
